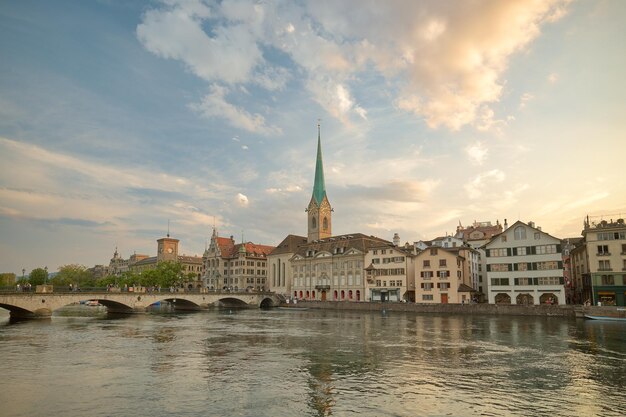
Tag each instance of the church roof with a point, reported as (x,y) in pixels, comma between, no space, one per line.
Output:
(357,241)
(319,186)
(289,244)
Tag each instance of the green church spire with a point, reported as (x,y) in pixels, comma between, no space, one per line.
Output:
(319,187)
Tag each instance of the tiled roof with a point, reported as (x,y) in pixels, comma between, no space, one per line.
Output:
(147,261)
(226,245)
(252,249)
(465,288)
(357,241)
(289,244)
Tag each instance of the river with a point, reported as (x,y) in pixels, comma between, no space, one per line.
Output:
(309,363)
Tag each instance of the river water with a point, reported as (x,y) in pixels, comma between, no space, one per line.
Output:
(310,363)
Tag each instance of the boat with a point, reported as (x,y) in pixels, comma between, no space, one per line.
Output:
(293,308)
(92,303)
(589,316)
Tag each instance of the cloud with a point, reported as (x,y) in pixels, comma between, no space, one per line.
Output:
(475,188)
(242,200)
(406,191)
(244,147)
(477,153)
(526,97)
(215,105)
(64,189)
(443,64)
(553,78)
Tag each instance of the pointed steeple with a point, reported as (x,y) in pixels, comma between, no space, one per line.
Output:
(319,187)
(319,211)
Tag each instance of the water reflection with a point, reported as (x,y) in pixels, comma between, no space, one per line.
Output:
(311,363)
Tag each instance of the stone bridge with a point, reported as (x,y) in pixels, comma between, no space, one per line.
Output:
(35,305)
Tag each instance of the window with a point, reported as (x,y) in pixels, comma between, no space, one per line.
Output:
(542,266)
(433,251)
(549,280)
(427,286)
(443,285)
(623,249)
(607,280)
(521,251)
(426,264)
(604,265)
(520,233)
(497,252)
(383,252)
(442,262)
(426,274)
(376,260)
(500,267)
(325,223)
(427,297)
(504,238)
(603,250)
(523,281)
(522,266)
(499,281)
(443,274)
(537,235)
(545,249)
(375,252)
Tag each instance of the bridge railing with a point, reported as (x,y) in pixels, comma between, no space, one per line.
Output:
(143,290)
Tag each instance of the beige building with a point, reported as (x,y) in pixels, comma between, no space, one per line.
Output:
(390,273)
(280,279)
(605,243)
(235,267)
(439,276)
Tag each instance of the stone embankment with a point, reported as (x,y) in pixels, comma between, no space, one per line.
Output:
(566,311)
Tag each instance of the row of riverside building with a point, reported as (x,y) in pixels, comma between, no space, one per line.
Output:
(483,262)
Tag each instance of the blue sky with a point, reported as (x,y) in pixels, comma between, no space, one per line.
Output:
(117,116)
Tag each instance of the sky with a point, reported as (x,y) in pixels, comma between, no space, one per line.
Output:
(120,117)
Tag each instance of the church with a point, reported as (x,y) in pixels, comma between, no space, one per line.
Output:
(327,267)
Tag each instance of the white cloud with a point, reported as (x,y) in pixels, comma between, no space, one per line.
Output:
(475,188)
(526,97)
(553,78)
(214,104)
(477,153)
(242,200)
(463,51)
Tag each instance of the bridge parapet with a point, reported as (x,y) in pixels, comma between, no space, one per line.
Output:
(35,305)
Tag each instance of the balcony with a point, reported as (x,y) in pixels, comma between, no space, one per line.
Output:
(603,254)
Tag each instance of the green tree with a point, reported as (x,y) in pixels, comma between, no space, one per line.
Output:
(38,276)
(74,274)
(7,279)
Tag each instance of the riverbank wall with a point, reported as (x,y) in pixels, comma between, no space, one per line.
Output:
(565,311)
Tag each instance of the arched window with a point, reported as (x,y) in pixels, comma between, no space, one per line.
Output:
(520,233)
(325,223)
(313,223)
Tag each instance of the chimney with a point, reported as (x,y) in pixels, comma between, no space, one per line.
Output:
(396,239)
(506,225)
(531,224)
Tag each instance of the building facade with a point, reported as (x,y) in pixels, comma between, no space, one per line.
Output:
(235,267)
(439,277)
(525,266)
(605,243)
(280,278)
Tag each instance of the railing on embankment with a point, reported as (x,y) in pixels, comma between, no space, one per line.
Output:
(567,311)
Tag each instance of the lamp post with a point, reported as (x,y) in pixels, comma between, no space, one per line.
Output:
(45,277)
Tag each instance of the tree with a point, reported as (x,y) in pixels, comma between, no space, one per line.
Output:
(7,279)
(38,276)
(74,274)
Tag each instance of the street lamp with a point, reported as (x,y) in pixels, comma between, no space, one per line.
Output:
(45,277)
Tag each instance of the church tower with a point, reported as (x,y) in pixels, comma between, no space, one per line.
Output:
(319,210)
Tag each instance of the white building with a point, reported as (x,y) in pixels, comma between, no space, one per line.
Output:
(524,266)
